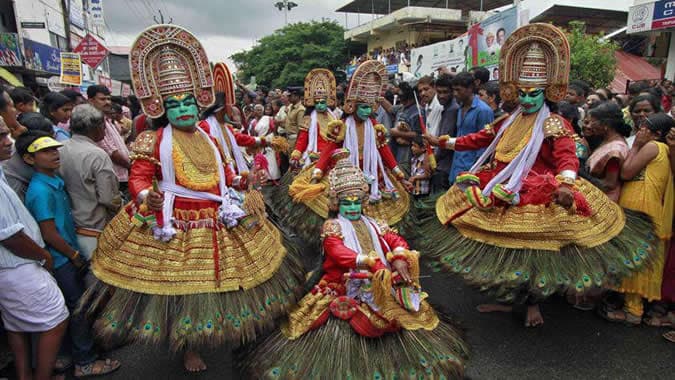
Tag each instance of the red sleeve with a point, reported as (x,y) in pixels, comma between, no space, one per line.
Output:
(324,157)
(243,139)
(394,240)
(387,156)
(302,141)
(140,176)
(565,150)
(475,141)
(339,253)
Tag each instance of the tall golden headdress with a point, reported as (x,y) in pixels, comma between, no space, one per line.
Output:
(223,82)
(366,85)
(168,60)
(345,180)
(320,84)
(535,55)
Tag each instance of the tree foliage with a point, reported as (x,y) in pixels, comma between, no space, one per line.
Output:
(592,60)
(286,56)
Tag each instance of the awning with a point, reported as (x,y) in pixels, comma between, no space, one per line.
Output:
(632,68)
(10,78)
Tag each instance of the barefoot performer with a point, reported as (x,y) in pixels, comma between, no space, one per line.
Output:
(520,222)
(186,262)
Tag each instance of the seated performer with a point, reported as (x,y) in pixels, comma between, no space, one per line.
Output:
(186,262)
(367,318)
(520,222)
(367,143)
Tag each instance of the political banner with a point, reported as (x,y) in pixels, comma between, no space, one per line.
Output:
(485,40)
(41,57)
(10,52)
(71,69)
(447,54)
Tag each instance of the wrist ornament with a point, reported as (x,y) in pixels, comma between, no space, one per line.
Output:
(398,173)
(447,142)
(317,174)
(567,178)
(296,155)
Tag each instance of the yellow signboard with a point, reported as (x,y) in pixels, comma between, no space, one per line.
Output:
(71,69)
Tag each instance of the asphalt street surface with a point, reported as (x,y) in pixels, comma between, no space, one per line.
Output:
(571,345)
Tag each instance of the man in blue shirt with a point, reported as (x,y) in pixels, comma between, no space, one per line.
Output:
(48,202)
(473,116)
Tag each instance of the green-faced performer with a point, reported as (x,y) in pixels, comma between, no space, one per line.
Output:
(520,222)
(186,262)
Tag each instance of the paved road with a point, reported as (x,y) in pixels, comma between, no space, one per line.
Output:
(571,345)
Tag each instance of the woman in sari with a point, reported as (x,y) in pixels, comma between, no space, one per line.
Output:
(648,188)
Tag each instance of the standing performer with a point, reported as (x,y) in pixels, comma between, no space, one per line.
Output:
(520,222)
(367,143)
(367,318)
(319,122)
(217,120)
(185,262)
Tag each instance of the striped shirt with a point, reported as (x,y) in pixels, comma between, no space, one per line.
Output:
(14,218)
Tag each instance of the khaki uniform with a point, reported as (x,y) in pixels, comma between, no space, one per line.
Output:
(294,117)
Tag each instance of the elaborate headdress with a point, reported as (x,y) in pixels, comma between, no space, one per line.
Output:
(535,55)
(367,83)
(320,84)
(168,60)
(223,82)
(345,180)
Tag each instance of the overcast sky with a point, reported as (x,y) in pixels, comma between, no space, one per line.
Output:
(223,26)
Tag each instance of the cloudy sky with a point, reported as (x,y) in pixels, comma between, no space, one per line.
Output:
(223,26)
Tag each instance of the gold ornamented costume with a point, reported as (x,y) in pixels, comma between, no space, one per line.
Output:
(361,321)
(305,208)
(209,268)
(500,226)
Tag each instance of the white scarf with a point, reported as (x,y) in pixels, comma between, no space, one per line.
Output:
(520,167)
(372,161)
(351,241)
(434,114)
(217,133)
(229,213)
(312,146)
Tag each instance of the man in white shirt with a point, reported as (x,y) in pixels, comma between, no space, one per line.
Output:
(30,300)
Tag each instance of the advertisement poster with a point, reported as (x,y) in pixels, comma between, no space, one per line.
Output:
(450,54)
(105,81)
(485,40)
(10,52)
(41,57)
(71,69)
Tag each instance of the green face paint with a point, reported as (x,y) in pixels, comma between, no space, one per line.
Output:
(350,209)
(182,111)
(321,105)
(363,111)
(532,100)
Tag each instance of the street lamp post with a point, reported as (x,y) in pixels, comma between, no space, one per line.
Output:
(286,6)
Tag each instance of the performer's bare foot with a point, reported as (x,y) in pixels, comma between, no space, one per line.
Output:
(193,362)
(533,317)
(494,307)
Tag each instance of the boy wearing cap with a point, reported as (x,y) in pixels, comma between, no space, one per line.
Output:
(48,202)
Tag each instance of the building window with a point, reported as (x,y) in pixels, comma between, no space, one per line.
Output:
(58,41)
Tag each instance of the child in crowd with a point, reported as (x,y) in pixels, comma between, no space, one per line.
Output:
(420,169)
(48,202)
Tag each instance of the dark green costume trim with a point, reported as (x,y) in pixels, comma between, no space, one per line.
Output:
(520,275)
(335,351)
(194,321)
